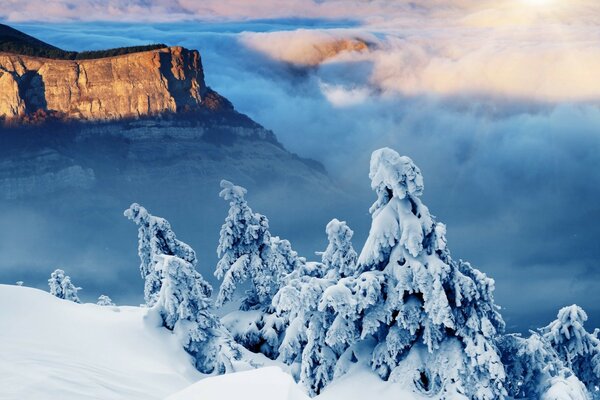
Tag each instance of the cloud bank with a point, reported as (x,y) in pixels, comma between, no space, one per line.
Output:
(495,101)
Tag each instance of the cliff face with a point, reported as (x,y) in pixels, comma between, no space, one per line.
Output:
(132,85)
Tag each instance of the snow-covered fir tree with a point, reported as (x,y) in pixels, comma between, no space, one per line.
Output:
(155,238)
(180,295)
(243,244)
(184,306)
(248,253)
(104,300)
(422,309)
(578,349)
(339,256)
(412,296)
(313,340)
(535,371)
(62,287)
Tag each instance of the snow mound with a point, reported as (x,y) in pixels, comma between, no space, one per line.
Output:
(56,349)
(269,383)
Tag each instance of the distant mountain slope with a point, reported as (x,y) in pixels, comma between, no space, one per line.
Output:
(14,41)
(17,42)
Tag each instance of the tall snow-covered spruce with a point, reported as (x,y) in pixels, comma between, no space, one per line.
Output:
(248,253)
(62,287)
(432,320)
(180,295)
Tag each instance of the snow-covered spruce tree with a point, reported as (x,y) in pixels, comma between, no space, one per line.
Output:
(62,287)
(535,371)
(248,253)
(339,256)
(184,306)
(315,338)
(104,300)
(243,243)
(180,295)
(424,310)
(155,238)
(578,349)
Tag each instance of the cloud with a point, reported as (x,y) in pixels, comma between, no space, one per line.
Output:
(496,114)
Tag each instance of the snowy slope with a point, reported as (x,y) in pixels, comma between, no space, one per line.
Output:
(55,349)
(269,383)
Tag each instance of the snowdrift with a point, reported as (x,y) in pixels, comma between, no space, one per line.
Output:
(269,383)
(56,349)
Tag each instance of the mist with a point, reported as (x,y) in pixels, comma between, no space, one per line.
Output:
(506,137)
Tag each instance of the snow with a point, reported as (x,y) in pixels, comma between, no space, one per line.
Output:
(56,349)
(269,383)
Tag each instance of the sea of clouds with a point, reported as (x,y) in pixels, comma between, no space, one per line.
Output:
(496,101)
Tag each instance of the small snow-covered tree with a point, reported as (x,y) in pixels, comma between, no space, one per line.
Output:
(104,300)
(184,306)
(155,238)
(339,255)
(578,349)
(179,294)
(535,371)
(62,287)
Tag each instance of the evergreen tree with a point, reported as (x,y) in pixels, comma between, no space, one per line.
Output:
(184,306)
(411,292)
(534,370)
(340,255)
(104,300)
(243,244)
(406,294)
(61,286)
(155,238)
(179,294)
(248,252)
(578,349)
(317,337)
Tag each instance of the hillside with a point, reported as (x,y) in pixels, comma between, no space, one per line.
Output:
(62,350)
(17,42)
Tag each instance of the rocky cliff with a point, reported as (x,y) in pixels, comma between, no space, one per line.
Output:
(132,85)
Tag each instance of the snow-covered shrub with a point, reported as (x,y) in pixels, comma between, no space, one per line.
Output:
(316,338)
(339,255)
(406,291)
(180,295)
(104,300)
(155,238)
(578,349)
(19,283)
(535,371)
(248,253)
(61,286)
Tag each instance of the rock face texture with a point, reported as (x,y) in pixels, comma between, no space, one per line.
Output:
(131,85)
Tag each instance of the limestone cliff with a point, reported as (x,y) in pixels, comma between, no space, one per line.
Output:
(132,85)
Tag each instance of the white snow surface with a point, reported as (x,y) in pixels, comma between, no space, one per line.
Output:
(56,349)
(269,383)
